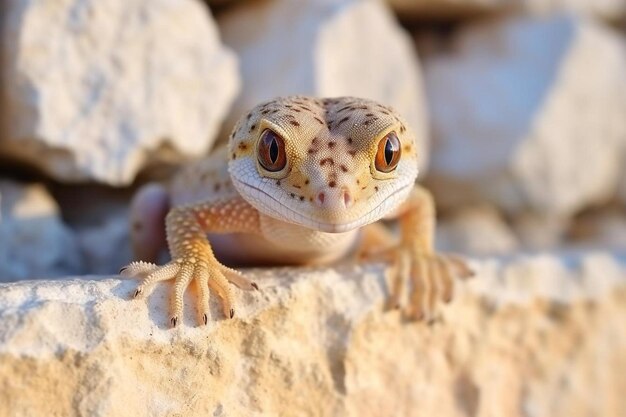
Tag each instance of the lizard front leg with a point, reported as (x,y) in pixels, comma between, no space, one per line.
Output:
(415,260)
(193,258)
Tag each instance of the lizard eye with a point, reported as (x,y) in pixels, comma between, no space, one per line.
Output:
(388,154)
(271,151)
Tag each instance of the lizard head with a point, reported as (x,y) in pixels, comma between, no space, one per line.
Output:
(327,164)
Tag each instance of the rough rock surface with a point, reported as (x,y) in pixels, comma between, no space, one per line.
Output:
(325,48)
(34,242)
(527,336)
(104,87)
(529,114)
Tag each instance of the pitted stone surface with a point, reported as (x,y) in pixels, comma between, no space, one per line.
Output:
(529,333)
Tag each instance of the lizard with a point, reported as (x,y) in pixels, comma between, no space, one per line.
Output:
(302,180)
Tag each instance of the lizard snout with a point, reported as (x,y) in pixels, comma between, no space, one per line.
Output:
(337,199)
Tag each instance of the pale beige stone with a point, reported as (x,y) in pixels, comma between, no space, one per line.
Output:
(478,230)
(325,48)
(529,114)
(528,336)
(101,88)
(34,241)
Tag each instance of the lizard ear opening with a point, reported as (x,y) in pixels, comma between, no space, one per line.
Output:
(388,154)
(271,151)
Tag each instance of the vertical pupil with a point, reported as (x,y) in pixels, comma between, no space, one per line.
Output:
(274,151)
(388,152)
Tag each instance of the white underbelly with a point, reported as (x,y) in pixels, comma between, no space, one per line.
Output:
(282,243)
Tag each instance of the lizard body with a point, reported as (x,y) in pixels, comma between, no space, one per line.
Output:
(298,180)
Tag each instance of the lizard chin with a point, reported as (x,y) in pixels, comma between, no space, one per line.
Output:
(271,206)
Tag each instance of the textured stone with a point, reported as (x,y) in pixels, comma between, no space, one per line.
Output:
(34,242)
(105,87)
(325,48)
(529,114)
(527,336)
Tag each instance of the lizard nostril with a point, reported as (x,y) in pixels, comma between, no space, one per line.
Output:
(320,198)
(347,198)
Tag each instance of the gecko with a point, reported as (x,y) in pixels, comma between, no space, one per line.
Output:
(302,180)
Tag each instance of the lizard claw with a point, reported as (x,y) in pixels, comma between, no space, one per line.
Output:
(427,277)
(174,321)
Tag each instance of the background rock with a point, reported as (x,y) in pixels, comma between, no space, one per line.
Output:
(527,334)
(476,231)
(34,242)
(329,48)
(610,10)
(523,120)
(102,88)
(447,9)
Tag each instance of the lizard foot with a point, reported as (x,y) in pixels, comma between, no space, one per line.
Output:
(207,275)
(428,277)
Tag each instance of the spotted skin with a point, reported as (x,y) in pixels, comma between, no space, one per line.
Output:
(310,211)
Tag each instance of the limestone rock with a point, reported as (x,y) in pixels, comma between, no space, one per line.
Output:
(529,114)
(476,231)
(105,87)
(528,335)
(34,242)
(325,48)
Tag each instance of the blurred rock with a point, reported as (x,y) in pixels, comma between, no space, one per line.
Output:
(98,216)
(442,10)
(34,242)
(610,10)
(534,336)
(447,9)
(102,88)
(476,231)
(540,231)
(603,228)
(106,247)
(529,114)
(325,48)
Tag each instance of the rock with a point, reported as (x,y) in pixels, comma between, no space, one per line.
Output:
(476,231)
(529,114)
(34,242)
(527,335)
(104,88)
(540,231)
(330,48)
(105,247)
(602,228)
(610,10)
(420,10)
(447,9)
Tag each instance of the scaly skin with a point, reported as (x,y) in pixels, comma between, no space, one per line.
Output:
(299,177)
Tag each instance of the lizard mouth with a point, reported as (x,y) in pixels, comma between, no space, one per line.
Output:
(271,206)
